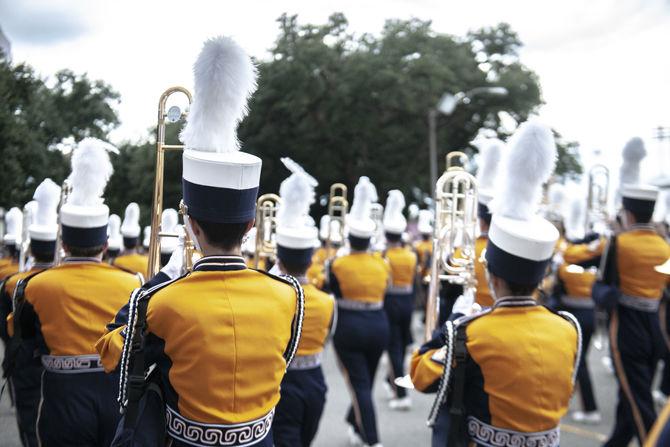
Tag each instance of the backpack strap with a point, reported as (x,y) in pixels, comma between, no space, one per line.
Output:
(456,437)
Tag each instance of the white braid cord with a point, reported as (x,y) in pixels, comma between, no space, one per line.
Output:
(568,316)
(300,314)
(443,387)
(127,347)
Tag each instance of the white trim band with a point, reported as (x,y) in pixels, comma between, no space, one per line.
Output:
(72,364)
(578,302)
(302,362)
(639,303)
(348,304)
(489,436)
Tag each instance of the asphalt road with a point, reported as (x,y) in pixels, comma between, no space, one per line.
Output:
(401,429)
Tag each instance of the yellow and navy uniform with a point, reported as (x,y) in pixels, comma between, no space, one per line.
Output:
(26,373)
(64,311)
(635,335)
(519,372)
(303,389)
(316,273)
(359,282)
(483,295)
(134,262)
(8,269)
(399,304)
(233,332)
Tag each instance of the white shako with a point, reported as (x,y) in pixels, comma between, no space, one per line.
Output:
(13,226)
(490,153)
(169,224)
(521,243)
(424,224)
(640,200)
(44,229)
(130,229)
(84,217)
(296,234)
(115,239)
(629,174)
(147,237)
(220,183)
(394,221)
(336,234)
(359,223)
(635,197)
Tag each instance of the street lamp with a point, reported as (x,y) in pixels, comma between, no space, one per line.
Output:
(446,106)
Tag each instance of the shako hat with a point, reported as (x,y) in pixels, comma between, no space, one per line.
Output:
(13,226)
(394,221)
(220,183)
(115,239)
(44,229)
(169,224)
(424,224)
(84,216)
(130,229)
(490,151)
(639,198)
(521,243)
(359,221)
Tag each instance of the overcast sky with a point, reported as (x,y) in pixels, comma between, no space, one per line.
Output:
(603,64)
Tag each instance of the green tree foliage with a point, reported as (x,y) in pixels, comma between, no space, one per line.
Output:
(35,115)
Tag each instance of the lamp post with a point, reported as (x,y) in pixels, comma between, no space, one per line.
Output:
(446,106)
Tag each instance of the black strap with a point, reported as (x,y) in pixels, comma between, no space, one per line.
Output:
(610,273)
(456,436)
(136,378)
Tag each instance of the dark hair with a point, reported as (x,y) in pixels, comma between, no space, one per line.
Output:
(12,251)
(225,236)
(43,257)
(294,269)
(425,236)
(393,237)
(131,242)
(84,252)
(521,289)
(359,243)
(642,217)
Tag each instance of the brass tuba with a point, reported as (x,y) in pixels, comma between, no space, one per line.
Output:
(455,218)
(65,191)
(338,207)
(266,227)
(172,115)
(596,197)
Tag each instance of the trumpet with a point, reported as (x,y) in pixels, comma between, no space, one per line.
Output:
(455,217)
(171,115)
(338,207)
(65,191)
(596,197)
(266,227)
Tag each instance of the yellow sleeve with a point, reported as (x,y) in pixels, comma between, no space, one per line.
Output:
(110,347)
(10,324)
(425,371)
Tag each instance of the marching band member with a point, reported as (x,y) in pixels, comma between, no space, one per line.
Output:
(316,274)
(359,280)
(130,259)
(169,224)
(399,298)
(63,310)
(491,152)
(23,370)
(12,240)
(502,388)
(424,252)
(147,239)
(222,335)
(114,240)
(572,293)
(635,336)
(303,389)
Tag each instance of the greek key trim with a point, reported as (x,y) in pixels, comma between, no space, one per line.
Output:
(301,362)
(206,435)
(72,364)
(639,303)
(489,436)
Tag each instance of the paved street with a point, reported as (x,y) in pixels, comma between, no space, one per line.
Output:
(400,429)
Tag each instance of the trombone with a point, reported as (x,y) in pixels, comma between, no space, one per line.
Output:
(171,115)
(266,227)
(65,191)
(596,196)
(455,216)
(338,207)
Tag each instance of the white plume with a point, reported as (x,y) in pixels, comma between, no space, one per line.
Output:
(131,220)
(225,79)
(169,220)
(528,163)
(91,170)
(425,221)
(556,196)
(297,194)
(115,239)
(395,204)
(490,153)
(47,195)
(575,217)
(147,236)
(365,194)
(633,153)
(14,222)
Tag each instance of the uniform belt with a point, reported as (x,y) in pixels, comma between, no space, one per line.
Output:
(400,290)
(359,305)
(200,435)
(301,362)
(580,302)
(72,364)
(489,436)
(639,303)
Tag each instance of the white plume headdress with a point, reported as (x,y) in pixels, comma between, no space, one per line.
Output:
(394,221)
(131,221)
(297,194)
(45,219)
(13,226)
(528,163)
(115,239)
(490,154)
(632,154)
(169,224)
(91,170)
(225,79)
(365,194)
(424,224)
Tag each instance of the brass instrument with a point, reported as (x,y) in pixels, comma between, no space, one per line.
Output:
(455,216)
(596,196)
(338,207)
(266,226)
(377,216)
(24,248)
(65,191)
(172,115)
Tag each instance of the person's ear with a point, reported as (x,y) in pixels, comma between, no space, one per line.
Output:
(250,225)
(197,229)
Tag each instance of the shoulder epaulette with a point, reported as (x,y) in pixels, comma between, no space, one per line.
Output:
(281,278)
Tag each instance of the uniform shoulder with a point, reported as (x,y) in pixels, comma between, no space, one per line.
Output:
(277,282)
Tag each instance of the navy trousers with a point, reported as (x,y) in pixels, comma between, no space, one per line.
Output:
(637,345)
(398,308)
(297,416)
(78,409)
(25,384)
(586,319)
(360,339)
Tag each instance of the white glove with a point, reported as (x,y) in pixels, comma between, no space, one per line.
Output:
(465,304)
(175,266)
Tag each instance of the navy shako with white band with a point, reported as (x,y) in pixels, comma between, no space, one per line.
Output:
(130,229)
(359,220)
(639,198)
